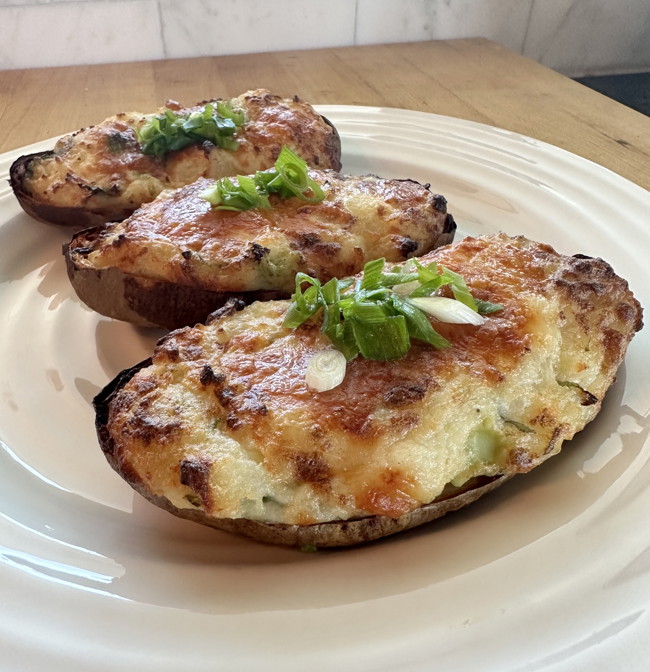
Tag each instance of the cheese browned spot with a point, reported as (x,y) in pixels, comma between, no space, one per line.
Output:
(393,436)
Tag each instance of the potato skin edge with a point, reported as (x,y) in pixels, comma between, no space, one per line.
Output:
(73,218)
(336,533)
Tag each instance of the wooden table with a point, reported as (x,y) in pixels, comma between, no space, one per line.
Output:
(472,79)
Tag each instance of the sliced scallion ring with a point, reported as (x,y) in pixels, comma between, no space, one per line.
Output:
(325,370)
(447,310)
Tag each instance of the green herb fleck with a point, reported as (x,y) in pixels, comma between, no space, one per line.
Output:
(193,499)
(518,425)
(587,398)
(486,307)
(368,317)
(216,122)
(288,178)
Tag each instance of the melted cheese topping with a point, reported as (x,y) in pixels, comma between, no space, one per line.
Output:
(104,167)
(222,419)
(180,238)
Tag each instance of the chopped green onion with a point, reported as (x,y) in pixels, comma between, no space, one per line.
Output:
(305,303)
(292,175)
(372,272)
(429,279)
(289,178)
(331,291)
(227,195)
(382,339)
(487,308)
(447,310)
(216,122)
(426,273)
(379,314)
(325,370)
(404,284)
(368,312)
(459,288)
(419,325)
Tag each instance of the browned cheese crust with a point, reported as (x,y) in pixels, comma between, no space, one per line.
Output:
(100,174)
(221,428)
(177,259)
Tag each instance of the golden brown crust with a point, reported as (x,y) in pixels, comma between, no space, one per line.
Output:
(220,422)
(100,174)
(177,259)
(142,301)
(323,535)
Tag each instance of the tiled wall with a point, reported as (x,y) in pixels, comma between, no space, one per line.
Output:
(576,37)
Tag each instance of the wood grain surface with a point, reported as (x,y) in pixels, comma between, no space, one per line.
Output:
(471,79)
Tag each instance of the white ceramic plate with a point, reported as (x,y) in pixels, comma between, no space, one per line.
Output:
(551,572)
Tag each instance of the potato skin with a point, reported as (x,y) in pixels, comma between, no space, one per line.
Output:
(323,535)
(100,174)
(176,259)
(220,426)
(143,301)
(50,213)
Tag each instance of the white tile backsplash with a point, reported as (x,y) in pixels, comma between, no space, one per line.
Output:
(391,21)
(71,33)
(590,36)
(207,27)
(576,37)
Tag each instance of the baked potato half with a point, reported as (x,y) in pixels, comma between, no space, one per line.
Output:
(177,259)
(221,427)
(105,172)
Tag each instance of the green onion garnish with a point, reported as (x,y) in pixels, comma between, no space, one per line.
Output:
(216,122)
(374,317)
(288,178)
(325,370)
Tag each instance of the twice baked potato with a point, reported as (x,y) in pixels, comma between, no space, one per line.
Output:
(105,172)
(178,258)
(221,427)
